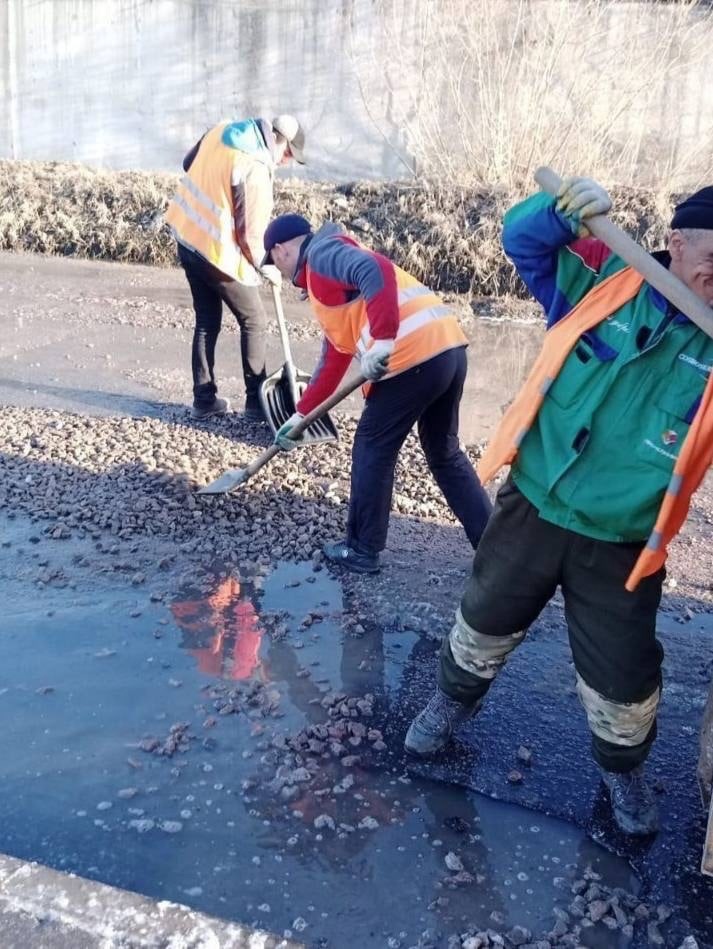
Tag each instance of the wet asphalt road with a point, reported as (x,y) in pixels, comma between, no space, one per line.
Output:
(99,669)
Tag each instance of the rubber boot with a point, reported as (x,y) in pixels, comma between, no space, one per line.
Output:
(253,410)
(432,728)
(632,801)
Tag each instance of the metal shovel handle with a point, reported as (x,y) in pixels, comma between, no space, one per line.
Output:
(650,269)
(285,340)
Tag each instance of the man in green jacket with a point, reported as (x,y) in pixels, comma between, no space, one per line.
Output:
(585,488)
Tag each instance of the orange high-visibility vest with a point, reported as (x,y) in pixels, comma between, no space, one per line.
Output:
(427,326)
(694,458)
(201,212)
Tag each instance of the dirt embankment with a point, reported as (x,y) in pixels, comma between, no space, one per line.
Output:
(446,235)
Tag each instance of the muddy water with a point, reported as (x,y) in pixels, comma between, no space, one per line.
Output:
(92,669)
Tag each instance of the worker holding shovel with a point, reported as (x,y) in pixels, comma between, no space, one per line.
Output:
(607,441)
(412,351)
(218,217)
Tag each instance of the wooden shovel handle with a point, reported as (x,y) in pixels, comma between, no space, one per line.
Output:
(304,423)
(328,404)
(650,269)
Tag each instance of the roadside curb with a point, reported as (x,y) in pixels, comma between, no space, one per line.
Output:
(116,919)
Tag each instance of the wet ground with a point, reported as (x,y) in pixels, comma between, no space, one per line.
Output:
(92,672)
(196,709)
(102,338)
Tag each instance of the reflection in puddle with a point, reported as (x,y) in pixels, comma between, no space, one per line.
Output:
(221,629)
(288,802)
(321,788)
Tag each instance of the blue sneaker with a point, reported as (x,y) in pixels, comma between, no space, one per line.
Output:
(341,554)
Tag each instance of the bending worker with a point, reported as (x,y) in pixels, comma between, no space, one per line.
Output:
(608,439)
(411,347)
(218,217)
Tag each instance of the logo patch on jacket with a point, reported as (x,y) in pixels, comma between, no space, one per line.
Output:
(669,437)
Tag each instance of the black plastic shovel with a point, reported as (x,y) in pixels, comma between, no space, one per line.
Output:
(281,391)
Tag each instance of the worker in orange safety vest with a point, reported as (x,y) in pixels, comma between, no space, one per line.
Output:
(218,216)
(411,348)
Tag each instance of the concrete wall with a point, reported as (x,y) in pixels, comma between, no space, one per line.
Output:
(132,83)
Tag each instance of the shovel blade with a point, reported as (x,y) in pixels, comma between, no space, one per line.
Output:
(278,405)
(226,482)
(707,862)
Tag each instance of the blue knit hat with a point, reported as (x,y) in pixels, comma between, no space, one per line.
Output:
(696,211)
(283,229)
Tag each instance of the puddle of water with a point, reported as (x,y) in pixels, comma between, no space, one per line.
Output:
(80,689)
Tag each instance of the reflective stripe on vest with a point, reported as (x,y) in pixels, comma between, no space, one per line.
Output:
(694,460)
(407,326)
(193,214)
(201,212)
(427,326)
(695,456)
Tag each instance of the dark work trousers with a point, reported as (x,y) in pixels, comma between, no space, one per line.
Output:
(429,395)
(519,564)
(210,290)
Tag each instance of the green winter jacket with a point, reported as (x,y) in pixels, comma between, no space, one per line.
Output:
(601,451)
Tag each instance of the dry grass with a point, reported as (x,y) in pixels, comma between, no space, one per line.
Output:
(449,237)
(484,91)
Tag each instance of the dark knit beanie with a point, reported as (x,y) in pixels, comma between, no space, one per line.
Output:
(696,211)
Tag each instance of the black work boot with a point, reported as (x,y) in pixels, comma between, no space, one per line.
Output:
(432,728)
(216,407)
(352,557)
(632,801)
(253,409)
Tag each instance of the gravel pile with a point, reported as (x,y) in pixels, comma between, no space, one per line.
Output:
(596,915)
(136,477)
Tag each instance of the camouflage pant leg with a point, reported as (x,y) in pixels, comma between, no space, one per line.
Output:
(515,572)
(616,653)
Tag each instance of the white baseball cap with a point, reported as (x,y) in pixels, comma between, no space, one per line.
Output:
(290,128)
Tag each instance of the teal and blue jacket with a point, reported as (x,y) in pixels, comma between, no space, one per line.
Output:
(601,451)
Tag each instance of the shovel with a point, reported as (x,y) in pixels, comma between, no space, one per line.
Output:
(237,476)
(651,270)
(705,773)
(281,391)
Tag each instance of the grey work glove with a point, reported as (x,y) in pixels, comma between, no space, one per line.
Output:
(282,435)
(580,198)
(272,275)
(375,361)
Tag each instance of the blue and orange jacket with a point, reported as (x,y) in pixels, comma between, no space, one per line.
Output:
(224,200)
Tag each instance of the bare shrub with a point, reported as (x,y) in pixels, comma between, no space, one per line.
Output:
(484,91)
